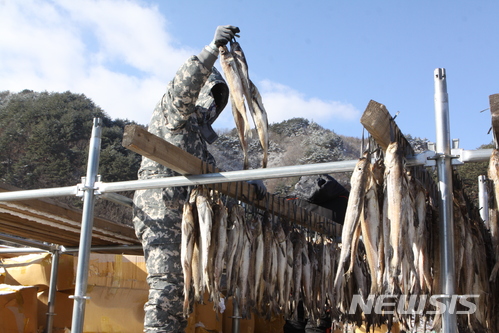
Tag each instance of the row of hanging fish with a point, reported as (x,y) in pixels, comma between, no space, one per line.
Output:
(388,209)
(394,219)
(274,267)
(472,269)
(390,246)
(244,92)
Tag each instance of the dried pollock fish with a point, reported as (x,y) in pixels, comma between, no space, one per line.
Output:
(234,81)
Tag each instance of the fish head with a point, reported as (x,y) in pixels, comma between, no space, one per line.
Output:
(224,53)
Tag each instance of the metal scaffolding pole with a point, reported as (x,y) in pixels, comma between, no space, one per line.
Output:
(104,248)
(22,250)
(86,229)
(26,242)
(446,222)
(52,290)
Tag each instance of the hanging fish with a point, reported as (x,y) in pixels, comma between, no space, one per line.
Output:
(205,219)
(244,267)
(371,226)
(351,227)
(256,258)
(493,175)
(234,246)
(264,288)
(288,278)
(306,276)
(186,252)
(394,181)
(261,121)
(253,99)
(298,244)
(197,276)
(219,239)
(280,243)
(258,255)
(236,96)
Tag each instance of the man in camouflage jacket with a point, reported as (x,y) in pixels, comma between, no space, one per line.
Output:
(183,117)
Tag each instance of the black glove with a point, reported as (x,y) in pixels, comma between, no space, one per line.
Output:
(260,189)
(224,34)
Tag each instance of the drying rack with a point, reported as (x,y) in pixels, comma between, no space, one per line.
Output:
(376,120)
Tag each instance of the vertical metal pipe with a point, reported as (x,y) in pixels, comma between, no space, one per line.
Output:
(52,290)
(86,229)
(446,223)
(483,199)
(236,314)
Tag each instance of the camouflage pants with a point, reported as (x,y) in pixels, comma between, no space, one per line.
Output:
(163,310)
(158,225)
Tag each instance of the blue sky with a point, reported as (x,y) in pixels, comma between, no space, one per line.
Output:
(321,60)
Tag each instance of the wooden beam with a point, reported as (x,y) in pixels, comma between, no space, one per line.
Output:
(380,124)
(494,111)
(48,220)
(382,127)
(139,140)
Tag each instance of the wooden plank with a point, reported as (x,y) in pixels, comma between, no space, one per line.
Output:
(376,120)
(44,208)
(383,129)
(380,124)
(49,221)
(494,111)
(139,140)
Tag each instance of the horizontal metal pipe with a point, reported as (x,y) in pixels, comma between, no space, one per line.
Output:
(26,242)
(229,176)
(39,193)
(105,248)
(117,198)
(70,249)
(479,155)
(106,189)
(22,250)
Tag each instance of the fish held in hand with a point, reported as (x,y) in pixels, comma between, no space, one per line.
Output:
(236,96)
(253,99)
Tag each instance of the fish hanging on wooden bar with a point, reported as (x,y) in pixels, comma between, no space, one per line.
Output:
(219,244)
(351,228)
(234,247)
(298,240)
(186,252)
(493,175)
(205,220)
(371,226)
(395,217)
